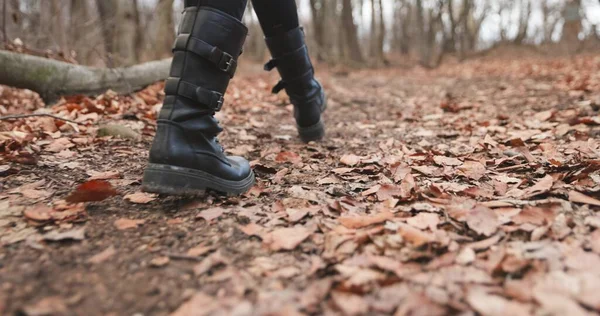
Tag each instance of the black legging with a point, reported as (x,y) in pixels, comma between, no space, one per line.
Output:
(275,16)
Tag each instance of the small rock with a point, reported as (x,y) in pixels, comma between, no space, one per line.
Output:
(159,262)
(116,130)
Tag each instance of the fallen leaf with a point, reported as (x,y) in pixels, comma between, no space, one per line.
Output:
(286,238)
(53,305)
(350,304)
(355,222)
(199,251)
(108,175)
(124,223)
(159,262)
(415,236)
(211,214)
(140,198)
(577,197)
(40,213)
(350,160)
(103,256)
(75,234)
(483,220)
(541,187)
(209,263)
(424,221)
(535,215)
(447,161)
(295,215)
(493,305)
(288,156)
(473,170)
(35,194)
(92,191)
(252,230)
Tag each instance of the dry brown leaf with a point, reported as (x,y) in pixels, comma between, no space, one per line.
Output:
(483,221)
(473,170)
(199,251)
(252,230)
(493,305)
(535,215)
(415,236)
(140,197)
(211,214)
(107,175)
(350,160)
(447,161)
(75,234)
(541,187)
(159,262)
(103,255)
(350,304)
(295,215)
(424,221)
(124,223)
(355,222)
(35,194)
(288,156)
(578,197)
(40,213)
(209,263)
(286,238)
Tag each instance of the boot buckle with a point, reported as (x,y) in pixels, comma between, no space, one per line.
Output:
(227,63)
(220,102)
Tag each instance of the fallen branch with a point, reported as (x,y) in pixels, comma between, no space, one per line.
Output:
(53,79)
(20,116)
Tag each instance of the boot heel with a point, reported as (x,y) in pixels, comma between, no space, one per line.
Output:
(312,133)
(173,180)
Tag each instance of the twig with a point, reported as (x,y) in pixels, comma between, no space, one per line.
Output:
(176,256)
(14,117)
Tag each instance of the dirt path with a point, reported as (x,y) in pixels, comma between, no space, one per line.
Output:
(470,188)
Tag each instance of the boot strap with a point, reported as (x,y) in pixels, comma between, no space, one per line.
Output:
(290,57)
(211,99)
(282,84)
(223,60)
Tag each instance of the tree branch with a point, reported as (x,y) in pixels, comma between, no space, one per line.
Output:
(14,117)
(52,79)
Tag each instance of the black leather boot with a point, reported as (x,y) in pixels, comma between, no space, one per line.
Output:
(290,57)
(186,157)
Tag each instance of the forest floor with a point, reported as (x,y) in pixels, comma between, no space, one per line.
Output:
(473,188)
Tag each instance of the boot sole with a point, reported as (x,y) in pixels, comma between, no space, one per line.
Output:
(312,133)
(173,180)
(315,132)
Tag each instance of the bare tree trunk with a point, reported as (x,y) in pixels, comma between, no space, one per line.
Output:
(318,9)
(52,79)
(126,30)
(58,28)
(572,27)
(381,39)
(165,32)
(351,32)
(139,31)
(107,10)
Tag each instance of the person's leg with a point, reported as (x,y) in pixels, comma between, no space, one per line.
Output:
(276,16)
(186,157)
(285,39)
(235,8)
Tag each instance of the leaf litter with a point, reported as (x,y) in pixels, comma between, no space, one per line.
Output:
(483,202)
